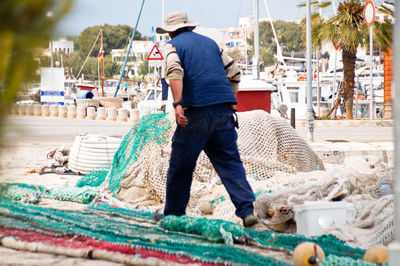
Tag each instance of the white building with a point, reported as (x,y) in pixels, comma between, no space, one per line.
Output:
(63,45)
(138,53)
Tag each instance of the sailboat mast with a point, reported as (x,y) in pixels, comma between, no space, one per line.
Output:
(102,64)
(256,40)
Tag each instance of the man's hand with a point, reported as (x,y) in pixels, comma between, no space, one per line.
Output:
(180,116)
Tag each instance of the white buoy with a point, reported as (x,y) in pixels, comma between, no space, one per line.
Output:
(54,110)
(62,111)
(101,113)
(112,114)
(29,109)
(122,115)
(71,113)
(45,110)
(133,115)
(37,110)
(91,113)
(81,112)
(22,109)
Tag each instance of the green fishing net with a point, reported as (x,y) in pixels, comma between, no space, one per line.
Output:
(150,128)
(95,178)
(343,261)
(199,238)
(83,195)
(33,194)
(115,229)
(21,192)
(210,229)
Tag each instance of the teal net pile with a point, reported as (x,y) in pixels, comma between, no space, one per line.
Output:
(195,238)
(83,195)
(343,261)
(212,230)
(33,194)
(150,128)
(95,177)
(115,229)
(21,192)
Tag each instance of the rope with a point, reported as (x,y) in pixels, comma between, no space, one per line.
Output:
(98,35)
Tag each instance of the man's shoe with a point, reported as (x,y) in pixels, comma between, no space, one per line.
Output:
(249,220)
(158,216)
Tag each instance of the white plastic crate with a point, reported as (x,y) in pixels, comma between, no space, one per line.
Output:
(313,217)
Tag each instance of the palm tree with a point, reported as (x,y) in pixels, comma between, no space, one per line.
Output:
(348,29)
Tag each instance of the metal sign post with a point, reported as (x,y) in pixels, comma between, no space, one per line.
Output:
(369,16)
(155,59)
(310,115)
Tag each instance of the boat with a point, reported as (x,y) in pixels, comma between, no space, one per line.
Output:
(291,91)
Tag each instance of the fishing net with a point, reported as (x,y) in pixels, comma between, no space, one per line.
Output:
(151,128)
(33,194)
(114,228)
(373,222)
(21,192)
(95,177)
(281,168)
(267,145)
(276,160)
(199,239)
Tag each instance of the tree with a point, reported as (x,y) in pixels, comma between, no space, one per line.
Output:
(114,37)
(74,62)
(348,29)
(111,68)
(144,68)
(288,37)
(267,57)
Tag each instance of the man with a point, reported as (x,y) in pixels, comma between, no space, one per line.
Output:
(203,98)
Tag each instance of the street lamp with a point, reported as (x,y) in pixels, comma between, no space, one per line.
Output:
(50,16)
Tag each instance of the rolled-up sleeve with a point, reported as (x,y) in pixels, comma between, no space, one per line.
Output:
(231,70)
(173,68)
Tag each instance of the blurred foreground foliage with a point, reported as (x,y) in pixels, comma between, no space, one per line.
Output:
(24,26)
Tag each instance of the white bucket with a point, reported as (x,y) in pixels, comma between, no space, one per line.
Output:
(313,217)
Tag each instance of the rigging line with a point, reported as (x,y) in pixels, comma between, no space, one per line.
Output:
(201,13)
(240,9)
(129,49)
(98,35)
(278,47)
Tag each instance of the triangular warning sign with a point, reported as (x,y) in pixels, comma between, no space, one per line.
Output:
(155,54)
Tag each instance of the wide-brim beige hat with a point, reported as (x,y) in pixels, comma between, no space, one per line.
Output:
(174,21)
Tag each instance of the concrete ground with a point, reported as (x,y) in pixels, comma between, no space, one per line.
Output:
(27,140)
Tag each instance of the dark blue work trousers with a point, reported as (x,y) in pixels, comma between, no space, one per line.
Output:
(211,129)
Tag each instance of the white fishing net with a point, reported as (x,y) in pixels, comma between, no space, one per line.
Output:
(267,145)
(283,171)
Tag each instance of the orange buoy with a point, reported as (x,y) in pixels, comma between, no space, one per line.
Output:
(307,254)
(377,254)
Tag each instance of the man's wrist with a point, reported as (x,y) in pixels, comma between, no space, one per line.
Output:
(176,104)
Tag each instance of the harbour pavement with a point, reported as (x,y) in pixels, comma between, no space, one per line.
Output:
(27,140)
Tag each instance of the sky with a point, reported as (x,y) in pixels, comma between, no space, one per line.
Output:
(209,13)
